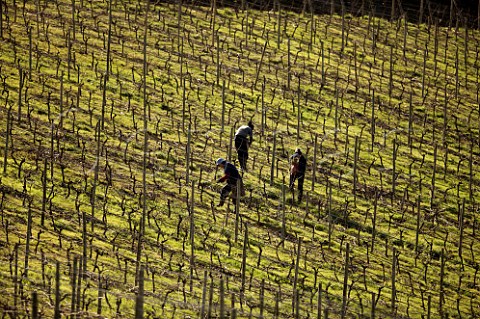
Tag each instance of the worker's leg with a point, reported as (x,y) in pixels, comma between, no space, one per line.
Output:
(301,179)
(224,194)
(241,144)
(242,158)
(293,177)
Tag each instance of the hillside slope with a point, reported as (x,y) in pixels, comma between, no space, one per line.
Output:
(109,136)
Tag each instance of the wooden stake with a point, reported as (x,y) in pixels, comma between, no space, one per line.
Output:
(7,137)
(27,245)
(394,292)
(204,295)
(244,263)
(139,295)
(345,281)
(192,236)
(297,263)
(34,293)
(56,314)
(272,164)
(222,300)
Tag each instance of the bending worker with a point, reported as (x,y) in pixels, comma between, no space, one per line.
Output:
(298,165)
(231,176)
(243,140)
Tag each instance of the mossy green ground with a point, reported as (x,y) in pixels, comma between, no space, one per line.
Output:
(419,82)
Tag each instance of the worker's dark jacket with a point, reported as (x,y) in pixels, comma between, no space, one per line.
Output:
(231,174)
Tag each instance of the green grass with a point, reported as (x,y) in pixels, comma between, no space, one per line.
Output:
(336,112)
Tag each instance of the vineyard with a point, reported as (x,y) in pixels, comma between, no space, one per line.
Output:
(113,114)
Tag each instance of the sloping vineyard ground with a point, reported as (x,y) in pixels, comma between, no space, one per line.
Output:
(113,114)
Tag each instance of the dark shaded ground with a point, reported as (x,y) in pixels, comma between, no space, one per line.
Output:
(462,11)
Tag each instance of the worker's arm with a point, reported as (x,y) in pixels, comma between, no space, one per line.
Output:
(223,178)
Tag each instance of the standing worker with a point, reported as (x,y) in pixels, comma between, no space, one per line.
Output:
(231,175)
(243,140)
(298,165)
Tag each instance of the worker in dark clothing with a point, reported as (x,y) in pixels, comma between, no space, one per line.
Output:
(231,176)
(243,140)
(298,165)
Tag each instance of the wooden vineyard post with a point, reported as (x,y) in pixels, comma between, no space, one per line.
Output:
(262,297)
(188,151)
(262,111)
(260,64)
(289,76)
(441,297)
(99,295)
(56,314)
(237,206)
(410,122)
(284,230)
(432,196)
(272,164)
(460,227)
(394,292)
(1,20)
(222,299)
(394,166)
(470,175)
(107,69)
(299,113)
(314,164)
(81,270)
(372,312)
(336,118)
(204,295)
(139,296)
(345,281)
(223,108)
(192,236)
(30,53)
(425,56)
(420,12)
(27,244)
(84,242)
(297,263)
(219,65)
(390,78)
(96,171)
(210,300)
(445,132)
(330,217)
(34,298)
(20,84)
(15,278)
(144,162)
(279,22)
(7,136)
(392,12)
(372,122)
(355,177)
(429,306)
(244,263)
(74,285)
(319,302)
(73,19)
(212,21)
(417,227)
(44,191)
(374,221)
(179,29)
